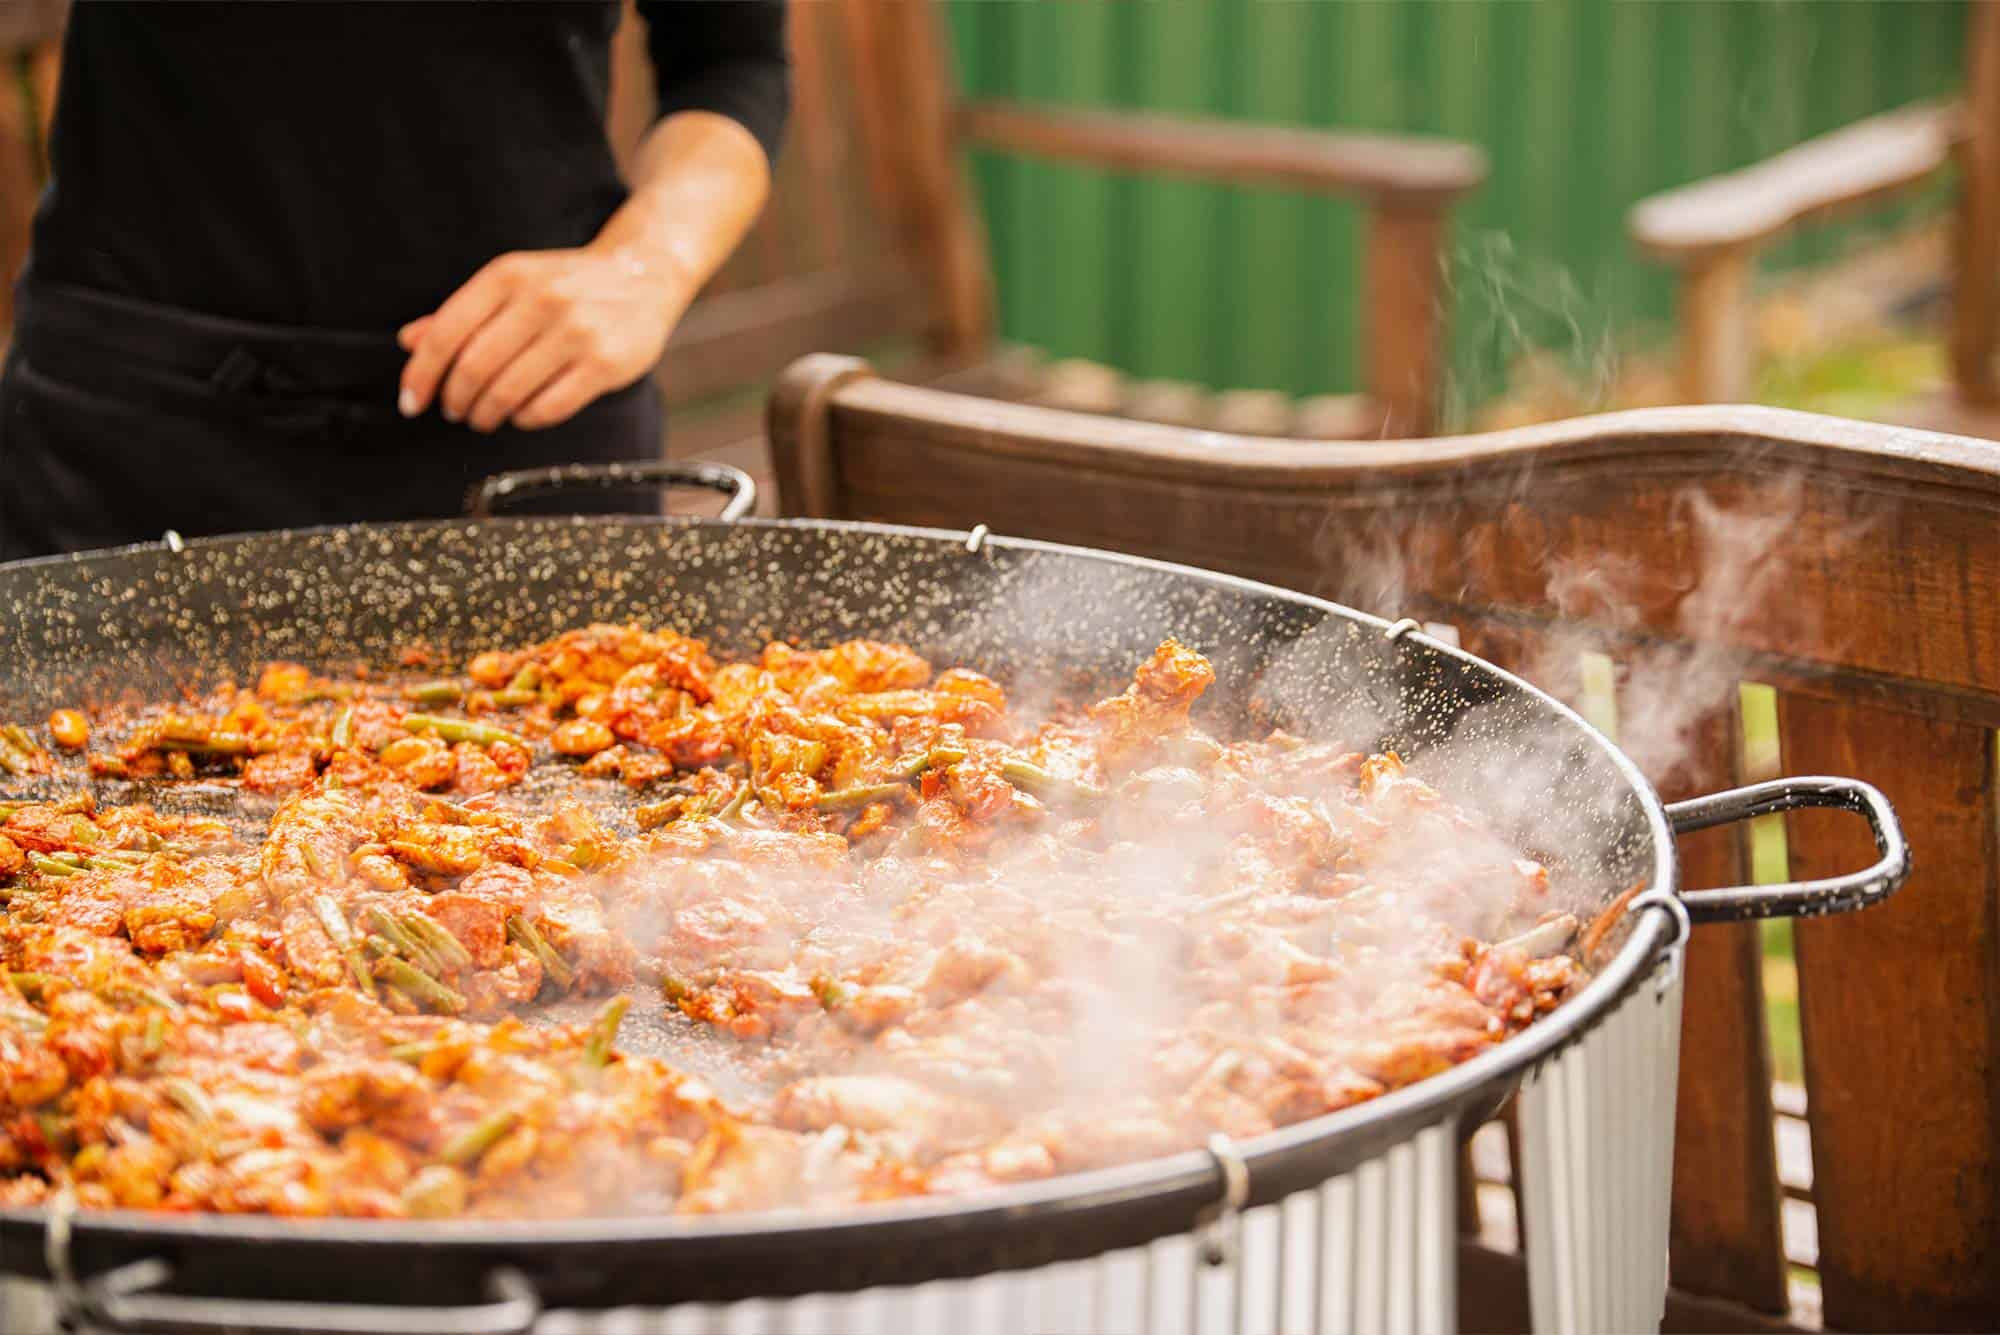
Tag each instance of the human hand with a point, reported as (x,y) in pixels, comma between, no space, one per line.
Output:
(536,335)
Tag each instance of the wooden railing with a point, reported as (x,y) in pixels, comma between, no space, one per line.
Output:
(1870,600)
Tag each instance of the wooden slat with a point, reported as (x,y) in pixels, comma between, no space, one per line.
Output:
(1976,303)
(1403,277)
(904,95)
(814,139)
(1897,1008)
(1724,1240)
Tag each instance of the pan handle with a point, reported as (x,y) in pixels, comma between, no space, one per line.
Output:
(122,1301)
(504,488)
(1797,899)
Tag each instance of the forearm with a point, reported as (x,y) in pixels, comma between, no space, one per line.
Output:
(699,180)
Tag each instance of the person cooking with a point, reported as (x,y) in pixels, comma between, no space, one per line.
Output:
(315,263)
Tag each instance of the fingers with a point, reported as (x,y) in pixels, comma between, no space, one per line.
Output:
(412,333)
(492,348)
(447,332)
(561,399)
(517,382)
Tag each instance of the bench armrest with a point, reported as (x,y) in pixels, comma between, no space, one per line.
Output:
(1743,209)
(1412,170)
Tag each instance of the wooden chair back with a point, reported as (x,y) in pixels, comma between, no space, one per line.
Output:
(1862,582)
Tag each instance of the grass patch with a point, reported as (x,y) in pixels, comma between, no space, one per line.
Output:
(1770,862)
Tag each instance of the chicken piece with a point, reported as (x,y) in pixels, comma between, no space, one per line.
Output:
(967,965)
(924,1124)
(30,1072)
(387,1096)
(279,771)
(1157,702)
(739,1166)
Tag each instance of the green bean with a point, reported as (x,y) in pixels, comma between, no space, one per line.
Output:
(66,856)
(604,1029)
(434,692)
(846,799)
(7,809)
(414,983)
(554,967)
(15,759)
(156,1034)
(466,1147)
(406,945)
(342,733)
(49,866)
(138,996)
(734,807)
(17,736)
(335,922)
(31,985)
(460,730)
(512,699)
(187,1096)
(415,1052)
(435,937)
(1034,779)
(527,679)
(938,756)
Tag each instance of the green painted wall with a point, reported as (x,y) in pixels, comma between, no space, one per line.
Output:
(1583,106)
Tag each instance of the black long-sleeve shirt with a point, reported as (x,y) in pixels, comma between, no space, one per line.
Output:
(347,165)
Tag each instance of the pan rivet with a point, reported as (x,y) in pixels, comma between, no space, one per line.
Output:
(1401,628)
(976,539)
(175,543)
(1218,1225)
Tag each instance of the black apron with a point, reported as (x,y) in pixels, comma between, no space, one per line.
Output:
(120,419)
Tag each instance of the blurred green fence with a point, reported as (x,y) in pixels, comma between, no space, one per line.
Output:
(1583,107)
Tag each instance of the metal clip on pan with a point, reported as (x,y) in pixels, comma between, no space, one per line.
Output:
(1796,899)
(502,490)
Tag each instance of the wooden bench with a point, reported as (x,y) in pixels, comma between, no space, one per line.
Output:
(1864,586)
(1712,231)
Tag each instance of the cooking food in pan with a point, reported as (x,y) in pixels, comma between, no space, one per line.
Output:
(607,924)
